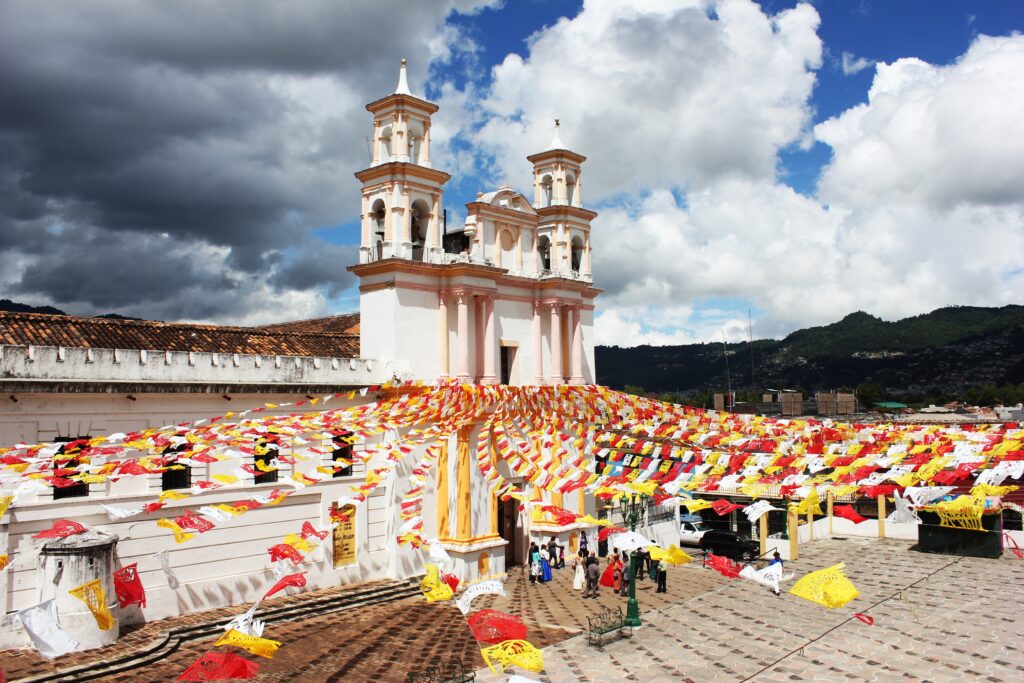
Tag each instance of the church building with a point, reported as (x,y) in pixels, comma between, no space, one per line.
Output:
(507,298)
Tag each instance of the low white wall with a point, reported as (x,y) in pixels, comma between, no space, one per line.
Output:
(43,364)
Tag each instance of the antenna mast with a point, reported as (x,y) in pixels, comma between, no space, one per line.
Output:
(728,381)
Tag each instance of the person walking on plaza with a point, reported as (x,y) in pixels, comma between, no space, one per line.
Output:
(534,556)
(638,575)
(579,571)
(561,557)
(545,565)
(662,576)
(593,577)
(553,552)
(626,572)
(652,566)
(583,541)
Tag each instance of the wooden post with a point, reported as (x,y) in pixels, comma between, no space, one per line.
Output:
(829,500)
(881,516)
(791,521)
(763,532)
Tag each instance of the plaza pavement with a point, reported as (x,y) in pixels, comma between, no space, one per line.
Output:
(957,620)
(936,618)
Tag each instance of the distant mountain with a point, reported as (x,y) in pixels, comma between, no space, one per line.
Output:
(15,307)
(939,355)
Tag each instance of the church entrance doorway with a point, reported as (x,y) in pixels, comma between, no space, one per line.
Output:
(508,513)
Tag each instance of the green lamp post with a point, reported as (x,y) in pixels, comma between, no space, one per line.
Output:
(633,510)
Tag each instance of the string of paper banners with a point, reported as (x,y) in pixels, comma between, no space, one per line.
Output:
(560,439)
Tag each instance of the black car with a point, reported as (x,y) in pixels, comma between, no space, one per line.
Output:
(730,544)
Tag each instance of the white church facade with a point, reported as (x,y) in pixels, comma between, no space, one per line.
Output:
(508,298)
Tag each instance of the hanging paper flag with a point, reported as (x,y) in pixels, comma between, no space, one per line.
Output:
(723,565)
(432,587)
(828,587)
(247,623)
(180,536)
(604,533)
(262,647)
(676,555)
(769,576)
(116,512)
(451,580)
(513,653)
(41,624)
(283,551)
(4,561)
(696,504)
(165,564)
(292,580)
(5,503)
(308,530)
(128,586)
(489,587)
(847,512)
(91,593)
(492,627)
(62,528)
(191,520)
(755,510)
(220,666)
(723,507)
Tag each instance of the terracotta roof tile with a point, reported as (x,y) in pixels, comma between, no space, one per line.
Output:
(346,323)
(40,329)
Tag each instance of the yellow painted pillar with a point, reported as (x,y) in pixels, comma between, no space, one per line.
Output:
(792,520)
(810,526)
(582,502)
(830,500)
(464,518)
(881,516)
(443,528)
(763,532)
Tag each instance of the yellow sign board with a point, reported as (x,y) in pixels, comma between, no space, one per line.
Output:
(345,536)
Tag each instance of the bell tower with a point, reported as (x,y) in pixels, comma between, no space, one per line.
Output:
(563,230)
(402,194)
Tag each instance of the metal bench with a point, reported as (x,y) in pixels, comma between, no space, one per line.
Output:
(608,621)
(451,671)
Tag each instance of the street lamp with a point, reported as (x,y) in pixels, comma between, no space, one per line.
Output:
(633,510)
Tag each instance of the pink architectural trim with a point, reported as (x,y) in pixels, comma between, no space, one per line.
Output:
(556,346)
(479,313)
(577,347)
(538,346)
(490,377)
(463,314)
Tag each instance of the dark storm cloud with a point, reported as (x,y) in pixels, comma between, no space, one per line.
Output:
(134,136)
(319,264)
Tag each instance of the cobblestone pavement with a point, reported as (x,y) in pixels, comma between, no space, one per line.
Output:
(937,618)
(380,642)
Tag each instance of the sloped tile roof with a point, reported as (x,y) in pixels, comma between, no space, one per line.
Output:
(37,329)
(346,323)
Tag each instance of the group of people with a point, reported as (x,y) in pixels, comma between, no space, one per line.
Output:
(543,559)
(617,573)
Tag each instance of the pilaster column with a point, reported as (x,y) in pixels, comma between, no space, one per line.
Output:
(442,331)
(577,346)
(364,238)
(578,199)
(519,250)
(556,345)
(538,346)
(490,343)
(586,256)
(376,143)
(403,138)
(463,318)
(425,154)
(406,222)
(478,338)
(435,222)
